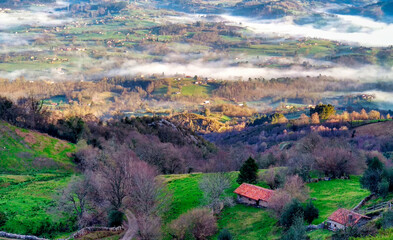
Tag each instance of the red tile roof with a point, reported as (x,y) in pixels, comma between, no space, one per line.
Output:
(254,192)
(342,216)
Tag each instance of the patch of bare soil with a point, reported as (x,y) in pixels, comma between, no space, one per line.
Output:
(27,137)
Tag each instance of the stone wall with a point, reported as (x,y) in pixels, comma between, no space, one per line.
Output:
(88,230)
(246,200)
(17,236)
(332,225)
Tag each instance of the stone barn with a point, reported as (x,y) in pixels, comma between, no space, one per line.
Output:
(253,195)
(343,218)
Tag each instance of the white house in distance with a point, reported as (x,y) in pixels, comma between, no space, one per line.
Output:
(343,218)
(253,195)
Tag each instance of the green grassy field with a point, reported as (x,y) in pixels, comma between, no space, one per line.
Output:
(23,151)
(386,234)
(196,91)
(33,167)
(330,195)
(27,201)
(246,222)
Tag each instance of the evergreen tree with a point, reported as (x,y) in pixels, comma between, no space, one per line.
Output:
(373,176)
(310,212)
(248,172)
(278,118)
(324,110)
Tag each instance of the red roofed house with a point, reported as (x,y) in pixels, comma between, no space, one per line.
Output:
(343,218)
(253,195)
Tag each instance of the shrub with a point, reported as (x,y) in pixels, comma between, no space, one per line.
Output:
(297,231)
(248,172)
(291,212)
(346,234)
(274,179)
(296,188)
(3,219)
(310,212)
(225,235)
(370,229)
(278,201)
(115,218)
(383,188)
(197,223)
(387,220)
(373,176)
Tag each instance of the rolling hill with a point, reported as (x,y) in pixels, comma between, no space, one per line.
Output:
(248,223)
(33,166)
(25,151)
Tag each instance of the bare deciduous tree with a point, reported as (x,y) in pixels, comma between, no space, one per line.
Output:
(147,198)
(76,198)
(278,201)
(213,186)
(296,188)
(274,177)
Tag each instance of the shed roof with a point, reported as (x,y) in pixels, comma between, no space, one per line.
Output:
(254,192)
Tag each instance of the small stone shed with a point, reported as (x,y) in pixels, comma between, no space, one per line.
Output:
(343,218)
(253,195)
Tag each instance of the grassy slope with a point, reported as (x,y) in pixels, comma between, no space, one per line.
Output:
(26,197)
(23,151)
(252,223)
(331,195)
(32,167)
(26,201)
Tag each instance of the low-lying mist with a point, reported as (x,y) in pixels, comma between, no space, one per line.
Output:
(341,28)
(223,70)
(37,16)
(349,29)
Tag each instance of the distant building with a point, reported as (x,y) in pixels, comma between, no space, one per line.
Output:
(343,218)
(253,195)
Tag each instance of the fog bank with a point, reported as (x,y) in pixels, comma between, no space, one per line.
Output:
(221,70)
(349,29)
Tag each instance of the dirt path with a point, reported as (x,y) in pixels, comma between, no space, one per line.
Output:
(132,226)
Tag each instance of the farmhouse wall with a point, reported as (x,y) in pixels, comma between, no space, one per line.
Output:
(246,200)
